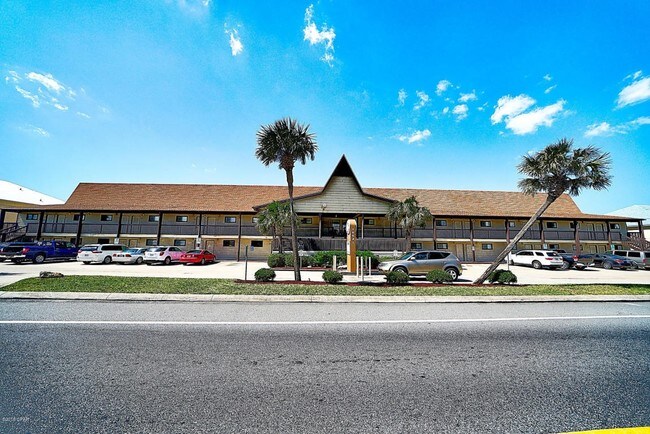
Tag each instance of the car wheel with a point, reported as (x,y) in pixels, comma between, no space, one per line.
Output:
(86,262)
(39,259)
(149,263)
(537,265)
(453,273)
(566,265)
(607,265)
(168,260)
(139,261)
(203,261)
(402,269)
(107,260)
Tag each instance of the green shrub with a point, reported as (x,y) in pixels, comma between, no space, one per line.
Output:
(374,261)
(288,260)
(276,260)
(324,258)
(330,276)
(439,276)
(397,278)
(264,275)
(505,277)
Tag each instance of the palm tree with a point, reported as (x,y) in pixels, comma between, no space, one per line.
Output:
(286,141)
(273,219)
(555,170)
(409,215)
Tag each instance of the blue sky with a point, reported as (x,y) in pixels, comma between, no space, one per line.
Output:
(422,94)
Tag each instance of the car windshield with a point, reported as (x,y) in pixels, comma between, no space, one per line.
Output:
(196,252)
(133,250)
(406,256)
(552,254)
(159,249)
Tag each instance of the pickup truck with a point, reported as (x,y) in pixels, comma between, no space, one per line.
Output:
(39,252)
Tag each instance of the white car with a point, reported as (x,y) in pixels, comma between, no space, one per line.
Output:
(101,253)
(134,255)
(537,259)
(162,255)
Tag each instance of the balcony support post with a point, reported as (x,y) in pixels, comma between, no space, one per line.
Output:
(576,237)
(2,224)
(435,235)
(79,228)
(119,226)
(641,232)
(471,239)
(39,232)
(239,239)
(609,234)
(320,225)
(158,234)
(362,225)
(508,231)
(542,238)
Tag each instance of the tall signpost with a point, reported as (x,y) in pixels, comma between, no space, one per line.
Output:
(351,245)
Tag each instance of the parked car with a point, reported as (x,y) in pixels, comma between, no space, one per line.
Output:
(421,262)
(101,253)
(537,259)
(162,255)
(607,261)
(571,260)
(130,256)
(8,250)
(640,258)
(39,252)
(198,257)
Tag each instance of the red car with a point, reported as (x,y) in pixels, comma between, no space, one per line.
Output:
(197,257)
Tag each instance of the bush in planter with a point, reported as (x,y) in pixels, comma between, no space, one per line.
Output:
(439,276)
(504,277)
(374,261)
(288,260)
(397,278)
(264,275)
(330,276)
(324,258)
(276,260)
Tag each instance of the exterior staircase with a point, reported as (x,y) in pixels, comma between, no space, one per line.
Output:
(637,243)
(12,233)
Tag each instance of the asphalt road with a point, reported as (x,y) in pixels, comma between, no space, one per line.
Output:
(206,367)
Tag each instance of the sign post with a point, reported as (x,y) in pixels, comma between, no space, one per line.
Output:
(351,245)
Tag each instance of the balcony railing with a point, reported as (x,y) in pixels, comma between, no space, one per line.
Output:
(60,228)
(99,228)
(139,228)
(453,233)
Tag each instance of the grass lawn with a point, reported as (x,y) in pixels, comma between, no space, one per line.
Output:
(157,285)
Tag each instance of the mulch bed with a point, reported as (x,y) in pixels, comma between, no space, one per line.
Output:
(376,284)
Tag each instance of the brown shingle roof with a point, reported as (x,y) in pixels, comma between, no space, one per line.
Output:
(243,198)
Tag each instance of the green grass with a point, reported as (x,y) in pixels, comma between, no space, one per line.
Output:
(156,285)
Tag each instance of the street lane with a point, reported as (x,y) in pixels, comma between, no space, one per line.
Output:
(480,376)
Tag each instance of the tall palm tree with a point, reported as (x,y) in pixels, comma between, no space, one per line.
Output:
(555,170)
(286,141)
(409,215)
(273,219)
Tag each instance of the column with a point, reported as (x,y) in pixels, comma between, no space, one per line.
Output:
(119,226)
(471,239)
(239,239)
(576,237)
(160,220)
(435,235)
(41,217)
(507,231)
(79,227)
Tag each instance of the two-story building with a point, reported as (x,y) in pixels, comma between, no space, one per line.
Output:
(474,225)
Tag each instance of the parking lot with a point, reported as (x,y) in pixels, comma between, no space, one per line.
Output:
(10,272)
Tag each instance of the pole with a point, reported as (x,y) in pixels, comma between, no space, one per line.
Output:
(246,264)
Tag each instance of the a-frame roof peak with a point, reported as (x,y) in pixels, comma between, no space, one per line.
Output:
(343,168)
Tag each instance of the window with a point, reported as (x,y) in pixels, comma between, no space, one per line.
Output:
(106,217)
(614,226)
(421,256)
(512,224)
(180,243)
(230,219)
(486,246)
(257,243)
(229,243)
(151,242)
(441,222)
(368,222)
(306,221)
(442,246)
(438,255)
(181,219)
(551,225)
(486,224)
(76,217)
(553,246)
(31,217)
(572,225)
(103,241)
(416,246)
(154,218)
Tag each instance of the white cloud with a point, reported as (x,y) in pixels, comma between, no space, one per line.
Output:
(606,129)
(36,102)
(548,77)
(195,7)
(442,86)
(13,77)
(83,115)
(465,97)
(638,91)
(46,80)
(460,111)
(61,107)
(423,100)
(401,97)
(634,76)
(325,36)
(526,123)
(236,45)
(416,137)
(37,131)
(445,110)
(508,106)
(548,90)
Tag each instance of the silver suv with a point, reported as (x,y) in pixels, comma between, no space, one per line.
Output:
(421,262)
(640,259)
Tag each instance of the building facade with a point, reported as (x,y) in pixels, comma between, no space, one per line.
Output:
(474,225)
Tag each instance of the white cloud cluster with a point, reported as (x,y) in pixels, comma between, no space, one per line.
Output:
(41,89)
(465,97)
(194,7)
(548,77)
(606,129)
(423,99)
(325,36)
(36,131)
(442,86)
(401,97)
(236,46)
(514,111)
(416,136)
(550,89)
(637,92)
(460,111)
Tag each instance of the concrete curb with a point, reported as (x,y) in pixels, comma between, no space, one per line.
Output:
(223,298)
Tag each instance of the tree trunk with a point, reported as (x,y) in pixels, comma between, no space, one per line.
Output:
(549,200)
(294,227)
(407,246)
(280,249)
